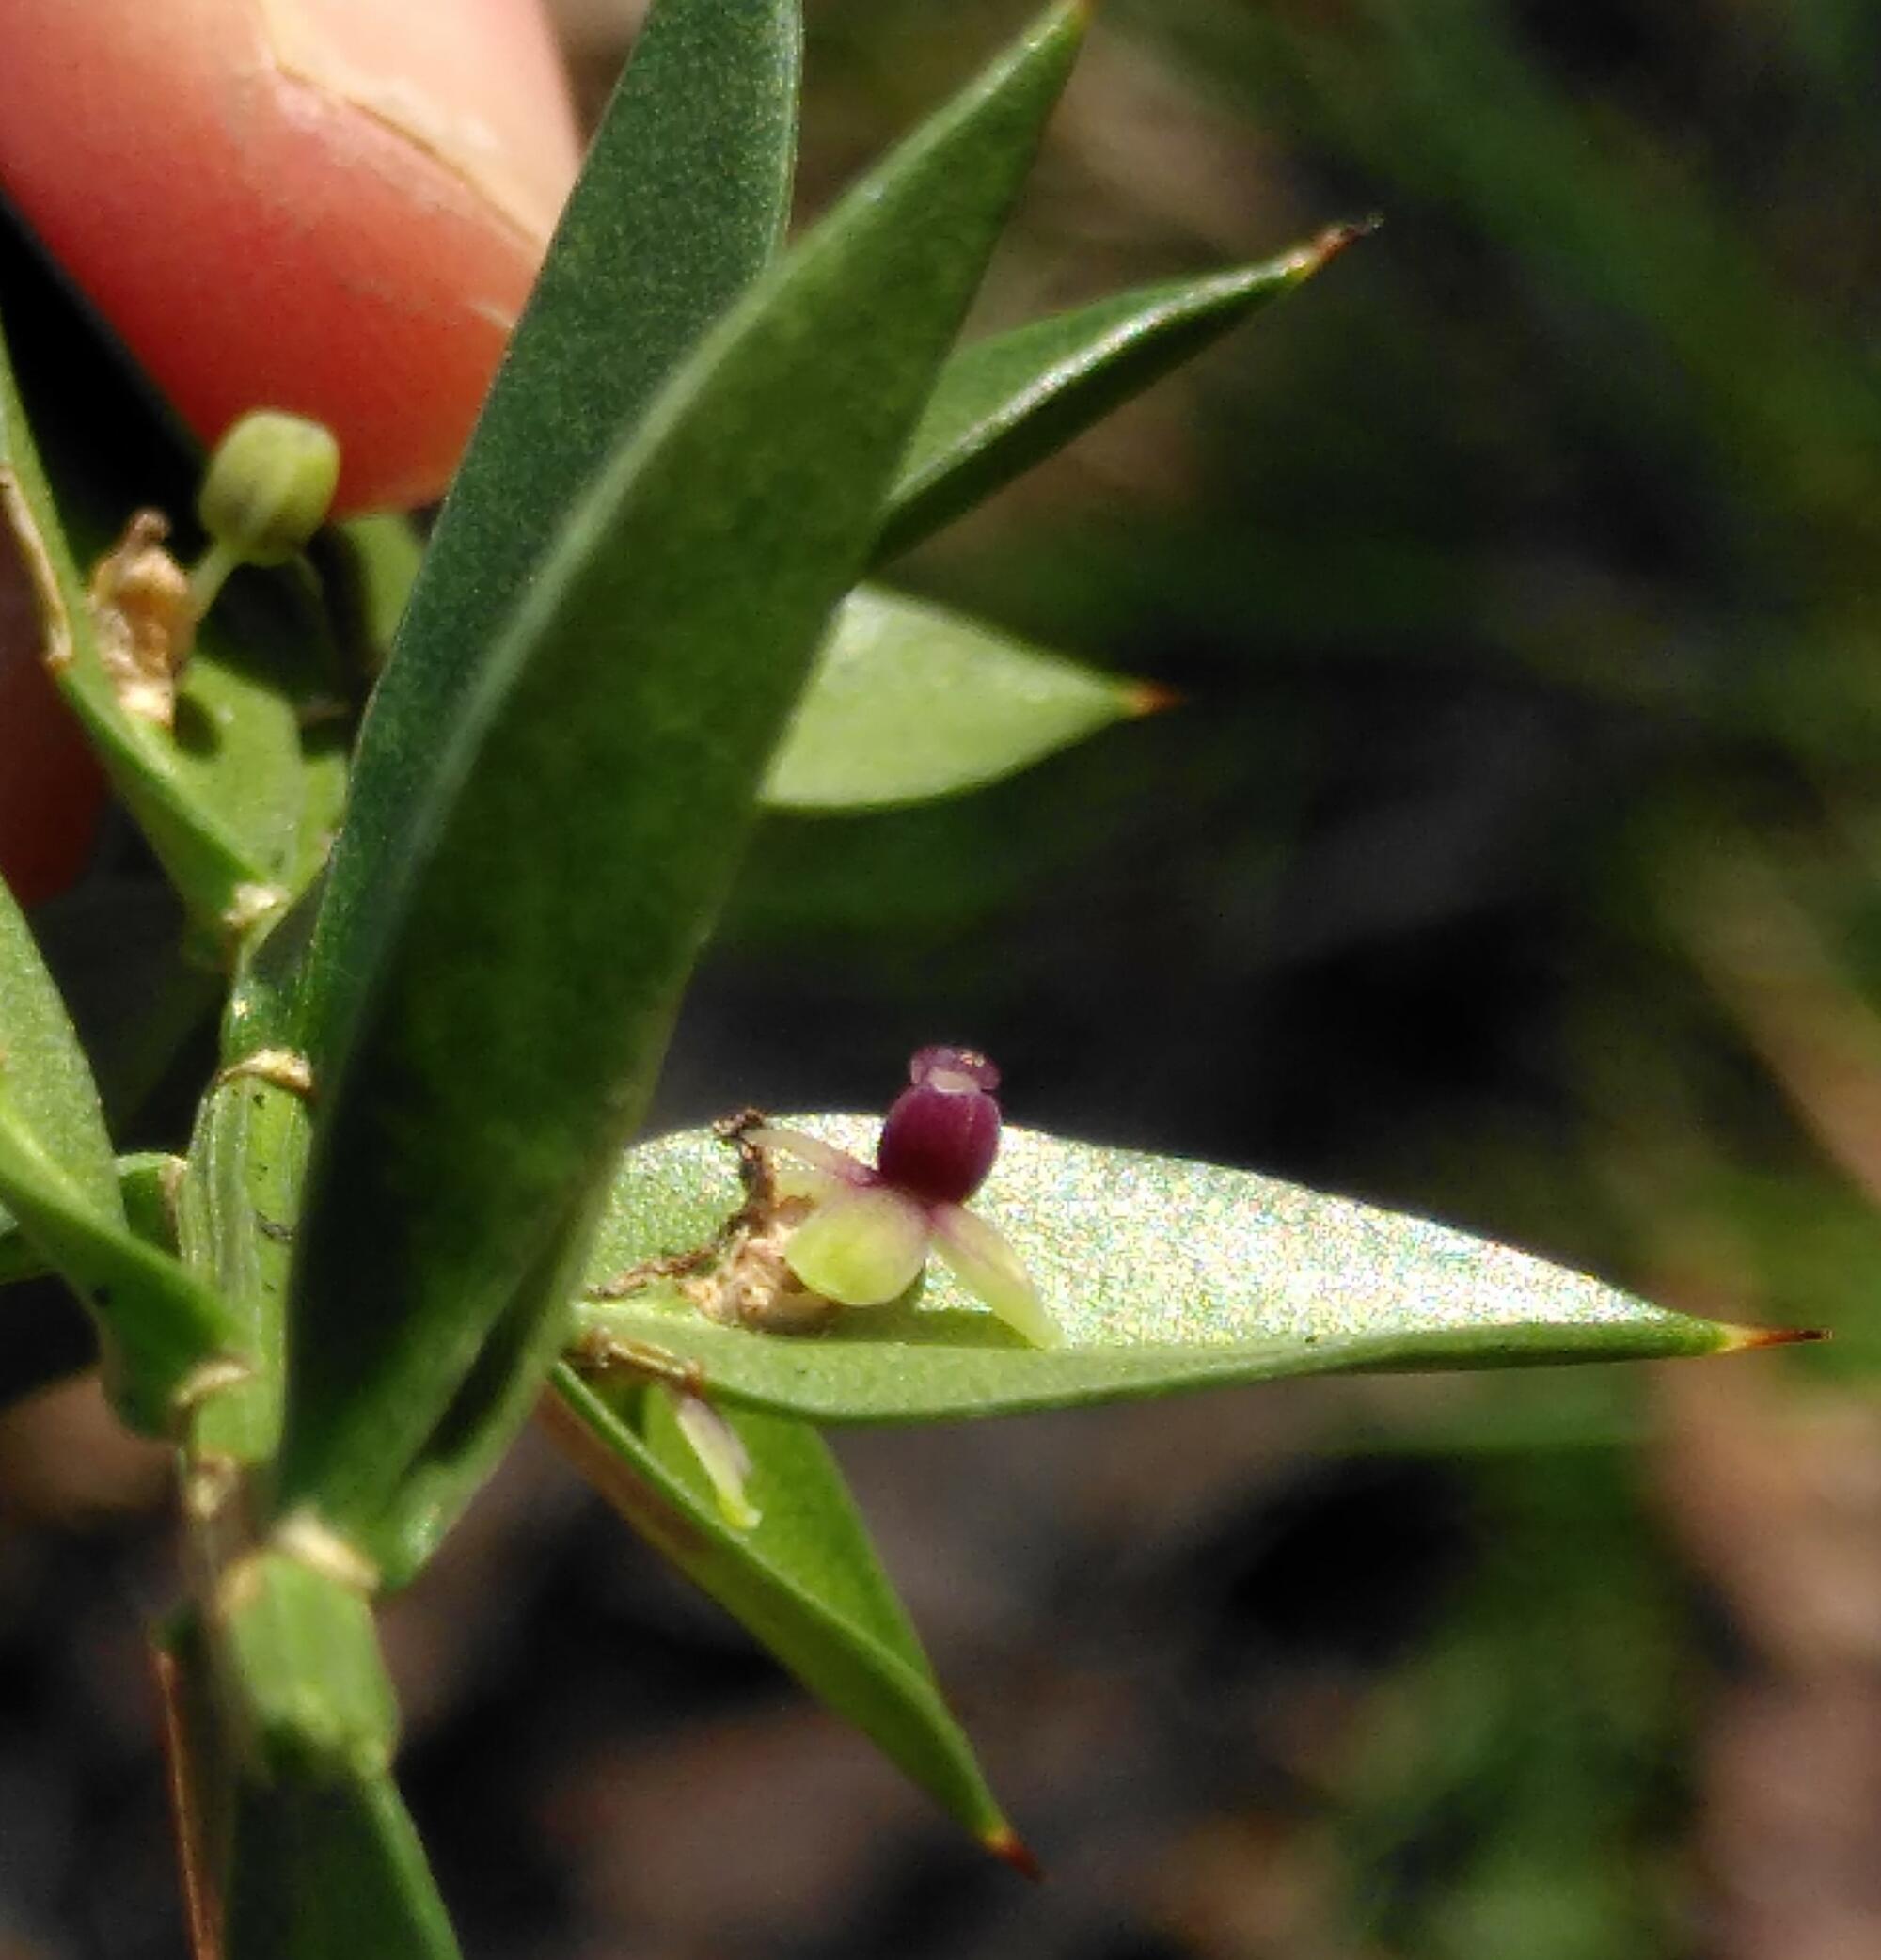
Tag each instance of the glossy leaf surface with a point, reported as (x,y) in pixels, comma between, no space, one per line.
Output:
(681,202)
(1008,401)
(555,891)
(909,701)
(1164,1275)
(804,1581)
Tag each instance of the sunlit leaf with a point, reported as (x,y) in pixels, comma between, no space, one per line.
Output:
(909,701)
(1008,401)
(1162,1274)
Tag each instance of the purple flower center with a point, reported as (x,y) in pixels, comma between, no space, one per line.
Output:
(943,1133)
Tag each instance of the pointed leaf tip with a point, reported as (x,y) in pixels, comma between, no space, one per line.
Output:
(1145,698)
(1321,251)
(1065,19)
(805,1581)
(1009,399)
(1742,1340)
(910,700)
(1011,1849)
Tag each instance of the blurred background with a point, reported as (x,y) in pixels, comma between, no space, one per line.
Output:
(1513,859)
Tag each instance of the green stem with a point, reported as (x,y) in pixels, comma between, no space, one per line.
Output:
(210,574)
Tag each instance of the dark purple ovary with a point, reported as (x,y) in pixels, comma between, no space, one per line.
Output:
(941,1135)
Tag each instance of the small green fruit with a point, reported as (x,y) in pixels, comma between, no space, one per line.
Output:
(269,486)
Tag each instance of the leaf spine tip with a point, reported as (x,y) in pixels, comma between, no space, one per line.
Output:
(1011,1849)
(1326,245)
(1141,698)
(1742,1340)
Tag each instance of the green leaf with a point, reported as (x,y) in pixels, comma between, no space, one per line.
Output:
(516,992)
(57,1347)
(143,1189)
(82,444)
(47,1081)
(59,1182)
(146,1182)
(165,1337)
(331,1872)
(1164,1275)
(19,1257)
(681,204)
(1006,402)
(486,1413)
(805,1580)
(323,1867)
(909,702)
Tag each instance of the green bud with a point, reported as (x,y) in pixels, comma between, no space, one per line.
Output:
(268,487)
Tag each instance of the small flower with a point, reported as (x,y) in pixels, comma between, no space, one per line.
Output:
(869,1230)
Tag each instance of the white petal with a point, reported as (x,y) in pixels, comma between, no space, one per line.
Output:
(861,1248)
(987,1267)
(721,1455)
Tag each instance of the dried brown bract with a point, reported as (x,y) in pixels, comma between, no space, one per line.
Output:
(144,618)
(741,1279)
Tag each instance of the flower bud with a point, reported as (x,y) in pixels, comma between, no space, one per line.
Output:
(269,485)
(942,1134)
